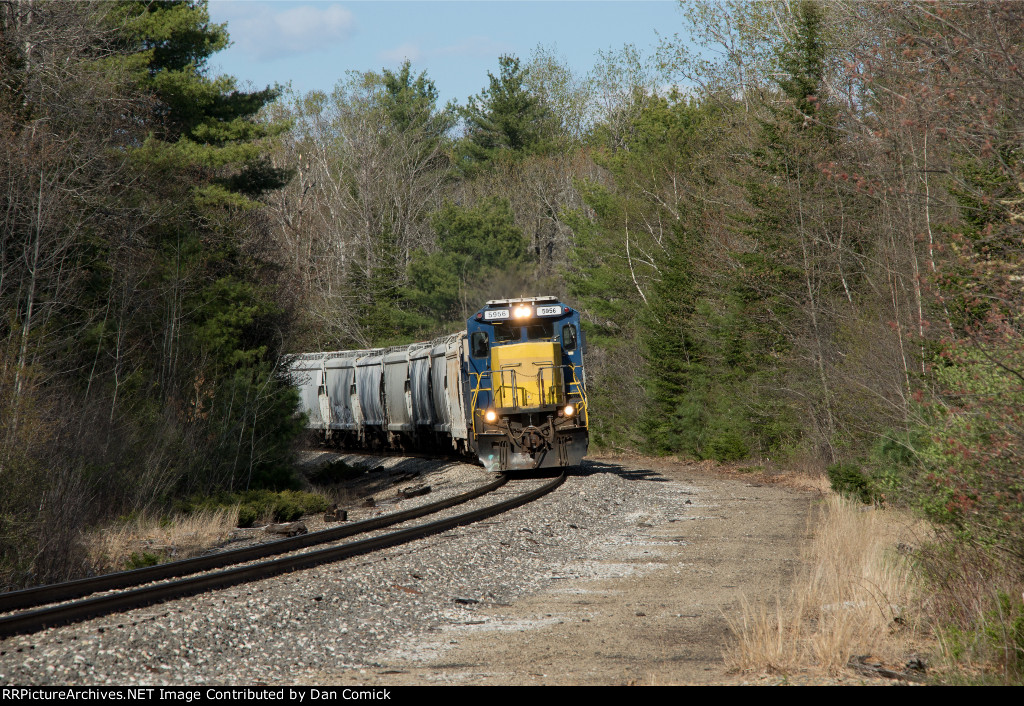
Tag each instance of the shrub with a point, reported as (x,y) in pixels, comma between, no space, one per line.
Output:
(727,445)
(334,472)
(976,609)
(848,480)
(141,560)
(261,505)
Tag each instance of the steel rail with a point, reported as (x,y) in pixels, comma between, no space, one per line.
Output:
(33,621)
(52,593)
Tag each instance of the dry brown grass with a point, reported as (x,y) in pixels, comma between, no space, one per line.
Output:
(858,595)
(181,537)
(978,611)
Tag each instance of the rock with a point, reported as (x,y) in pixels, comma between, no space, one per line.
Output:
(406,493)
(335,514)
(289,529)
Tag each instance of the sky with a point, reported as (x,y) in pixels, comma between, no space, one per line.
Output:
(312,44)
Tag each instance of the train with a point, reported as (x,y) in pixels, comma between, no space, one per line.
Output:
(508,391)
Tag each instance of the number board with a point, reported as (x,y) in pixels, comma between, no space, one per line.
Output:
(496,314)
(549,310)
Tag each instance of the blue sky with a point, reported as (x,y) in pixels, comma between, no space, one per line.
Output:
(311,43)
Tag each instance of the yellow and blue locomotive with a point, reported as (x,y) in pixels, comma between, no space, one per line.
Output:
(510,390)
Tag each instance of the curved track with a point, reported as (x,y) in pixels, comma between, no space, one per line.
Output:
(32,621)
(41,595)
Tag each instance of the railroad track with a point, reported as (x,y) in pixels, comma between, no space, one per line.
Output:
(51,616)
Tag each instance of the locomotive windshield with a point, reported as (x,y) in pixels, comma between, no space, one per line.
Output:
(535,331)
(545,328)
(507,332)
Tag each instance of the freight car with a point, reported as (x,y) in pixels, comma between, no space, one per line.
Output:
(510,390)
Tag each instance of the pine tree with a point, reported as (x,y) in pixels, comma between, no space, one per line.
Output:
(481,255)
(635,265)
(780,288)
(213,304)
(505,119)
(410,104)
(676,417)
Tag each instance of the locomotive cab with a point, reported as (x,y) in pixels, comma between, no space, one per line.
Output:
(527,390)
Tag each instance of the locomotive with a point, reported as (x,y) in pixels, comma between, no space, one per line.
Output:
(509,390)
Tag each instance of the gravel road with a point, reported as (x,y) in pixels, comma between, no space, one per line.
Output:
(623,575)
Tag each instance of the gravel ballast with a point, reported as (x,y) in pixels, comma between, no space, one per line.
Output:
(406,605)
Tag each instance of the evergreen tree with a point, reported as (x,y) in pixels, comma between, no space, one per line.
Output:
(372,159)
(410,105)
(480,255)
(506,119)
(780,288)
(205,159)
(198,123)
(636,265)
(139,324)
(381,305)
(676,417)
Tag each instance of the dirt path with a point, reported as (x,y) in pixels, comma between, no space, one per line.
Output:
(665,623)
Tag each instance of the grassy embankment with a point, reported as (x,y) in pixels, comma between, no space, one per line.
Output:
(879,582)
(201,523)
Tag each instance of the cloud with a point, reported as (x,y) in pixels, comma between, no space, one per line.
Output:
(409,51)
(266,32)
(477,46)
(471,47)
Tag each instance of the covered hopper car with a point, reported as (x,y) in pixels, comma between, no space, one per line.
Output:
(509,390)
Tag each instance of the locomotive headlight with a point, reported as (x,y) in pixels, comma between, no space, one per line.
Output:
(523,312)
(491,416)
(569,410)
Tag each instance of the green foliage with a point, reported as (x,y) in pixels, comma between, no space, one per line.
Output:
(564,96)
(410,104)
(728,445)
(711,346)
(142,560)
(968,475)
(506,120)
(894,461)
(769,323)
(258,505)
(254,406)
(1005,631)
(736,284)
(210,149)
(982,297)
(674,362)
(371,159)
(637,283)
(481,254)
(802,59)
(380,312)
(888,471)
(599,278)
(155,341)
(230,310)
(200,123)
(847,478)
(484,235)
(285,506)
